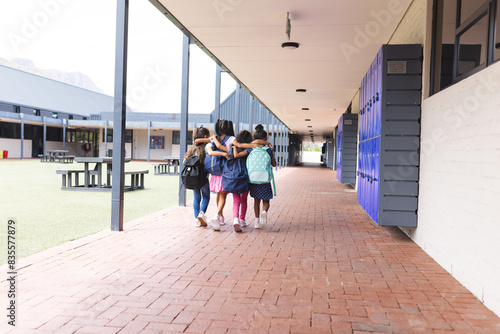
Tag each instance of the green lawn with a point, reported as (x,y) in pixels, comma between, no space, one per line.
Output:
(47,216)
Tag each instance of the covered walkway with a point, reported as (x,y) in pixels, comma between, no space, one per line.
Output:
(320,266)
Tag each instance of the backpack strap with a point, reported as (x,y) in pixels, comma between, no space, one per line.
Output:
(274,185)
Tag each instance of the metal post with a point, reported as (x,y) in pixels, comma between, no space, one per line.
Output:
(22,136)
(44,134)
(105,138)
(218,71)
(149,140)
(287,147)
(184,113)
(268,115)
(237,108)
(64,134)
(119,116)
(252,104)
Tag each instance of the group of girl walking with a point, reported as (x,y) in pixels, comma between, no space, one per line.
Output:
(225,144)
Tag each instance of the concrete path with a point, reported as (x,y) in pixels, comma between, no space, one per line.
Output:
(320,266)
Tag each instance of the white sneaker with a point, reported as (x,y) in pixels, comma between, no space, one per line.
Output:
(236,225)
(221,220)
(263,219)
(243,223)
(197,223)
(202,219)
(257,224)
(215,223)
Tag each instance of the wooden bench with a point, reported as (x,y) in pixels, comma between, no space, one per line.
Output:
(136,178)
(66,175)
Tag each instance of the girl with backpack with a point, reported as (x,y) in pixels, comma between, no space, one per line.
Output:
(224,133)
(263,191)
(240,200)
(201,195)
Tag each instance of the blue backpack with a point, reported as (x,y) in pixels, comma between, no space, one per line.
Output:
(214,164)
(235,177)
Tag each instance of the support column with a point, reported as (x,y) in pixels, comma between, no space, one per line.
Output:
(105,138)
(237,109)
(287,147)
(44,134)
(64,133)
(149,140)
(218,71)
(184,113)
(252,106)
(22,136)
(119,116)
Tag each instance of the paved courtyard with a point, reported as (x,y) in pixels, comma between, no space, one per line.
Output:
(320,266)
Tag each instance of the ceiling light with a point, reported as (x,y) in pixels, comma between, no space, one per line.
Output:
(309,126)
(290,45)
(307,119)
(305,108)
(300,90)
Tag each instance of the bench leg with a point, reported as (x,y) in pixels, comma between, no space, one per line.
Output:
(142,181)
(64,181)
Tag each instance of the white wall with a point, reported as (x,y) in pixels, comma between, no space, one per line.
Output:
(141,142)
(103,147)
(14,147)
(459,196)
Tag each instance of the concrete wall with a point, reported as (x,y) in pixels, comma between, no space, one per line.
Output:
(458,222)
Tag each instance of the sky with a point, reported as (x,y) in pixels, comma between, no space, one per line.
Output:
(79,36)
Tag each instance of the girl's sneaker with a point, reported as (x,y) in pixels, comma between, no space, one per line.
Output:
(263,219)
(202,219)
(243,223)
(215,223)
(197,223)
(257,223)
(221,220)
(236,225)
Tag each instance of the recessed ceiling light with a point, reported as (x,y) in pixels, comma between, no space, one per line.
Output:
(310,130)
(300,90)
(290,45)
(305,108)
(307,119)
(309,126)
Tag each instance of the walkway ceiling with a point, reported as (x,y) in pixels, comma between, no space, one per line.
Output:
(338,41)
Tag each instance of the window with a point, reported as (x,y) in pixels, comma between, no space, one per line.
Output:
(128,136)
(463,39)
(176,137)
(10,130)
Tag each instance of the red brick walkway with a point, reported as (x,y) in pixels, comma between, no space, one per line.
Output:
(320,266)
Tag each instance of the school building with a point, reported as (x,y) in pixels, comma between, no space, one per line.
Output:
(405,92)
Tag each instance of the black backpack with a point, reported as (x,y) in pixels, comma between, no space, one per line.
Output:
(193,173)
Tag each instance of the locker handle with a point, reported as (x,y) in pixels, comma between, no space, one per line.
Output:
(377,97)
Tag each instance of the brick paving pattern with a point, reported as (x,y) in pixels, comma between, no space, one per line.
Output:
(320,266)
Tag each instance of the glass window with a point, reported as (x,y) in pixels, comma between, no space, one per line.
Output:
(128,136)
(472,47)
(469,7)
(463,47)
(176,137)
(497,35)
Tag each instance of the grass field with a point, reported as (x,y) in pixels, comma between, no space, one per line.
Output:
(47,216)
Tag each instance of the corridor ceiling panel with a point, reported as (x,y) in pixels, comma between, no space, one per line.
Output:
(338,39)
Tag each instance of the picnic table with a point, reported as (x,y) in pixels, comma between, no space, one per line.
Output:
(163,168)
(56,156)
(90,174)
